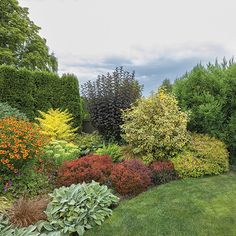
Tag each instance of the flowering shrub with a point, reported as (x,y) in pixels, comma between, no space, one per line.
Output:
(130,177)
(19,141)
(162,171)
(85,169)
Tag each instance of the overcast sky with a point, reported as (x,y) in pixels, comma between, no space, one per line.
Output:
(157,38)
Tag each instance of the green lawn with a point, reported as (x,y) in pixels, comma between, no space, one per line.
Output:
(205,206)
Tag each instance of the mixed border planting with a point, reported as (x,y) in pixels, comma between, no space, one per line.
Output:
(56,179)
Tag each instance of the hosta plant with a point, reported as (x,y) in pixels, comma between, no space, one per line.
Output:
(78,208)
(6,229)
(57,124)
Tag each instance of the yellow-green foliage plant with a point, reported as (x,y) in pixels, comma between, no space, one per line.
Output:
(5,205)
(60,150)
(57,124)
(205,155)
(155,127)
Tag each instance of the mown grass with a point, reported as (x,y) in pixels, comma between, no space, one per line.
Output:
(205,206)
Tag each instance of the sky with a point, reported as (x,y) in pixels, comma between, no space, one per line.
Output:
(157,38)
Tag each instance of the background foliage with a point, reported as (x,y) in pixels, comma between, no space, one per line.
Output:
(208,93)
(20,42)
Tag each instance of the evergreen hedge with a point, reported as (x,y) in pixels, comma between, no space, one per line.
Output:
(30,91)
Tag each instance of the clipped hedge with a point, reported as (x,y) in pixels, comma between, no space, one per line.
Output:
(30,91)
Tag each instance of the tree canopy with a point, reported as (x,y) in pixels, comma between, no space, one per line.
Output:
(20,42)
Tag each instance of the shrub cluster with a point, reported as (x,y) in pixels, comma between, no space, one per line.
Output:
(85,169)
(208,93)
(130,177)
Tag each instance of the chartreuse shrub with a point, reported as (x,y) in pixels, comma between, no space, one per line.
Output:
(205,155)
(56,124)
(112,150)
(6,111)
(88,143)
(60,150)
(155,127)
(20,142)
(78,208)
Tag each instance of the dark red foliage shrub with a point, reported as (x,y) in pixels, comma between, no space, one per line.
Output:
(130,177)
(162,172)
(85,169)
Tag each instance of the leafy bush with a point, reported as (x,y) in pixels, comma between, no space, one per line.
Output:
(205,156)
(88,143)
(20,141)
(26,212)
(85,169)
(56,124)
(78,208)
(163,172)
(60,150)
(26,182)
(8,111)
(112,150)
(107,96)
(155,127)
(130,177)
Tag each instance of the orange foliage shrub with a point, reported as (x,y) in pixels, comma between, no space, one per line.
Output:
(20,141)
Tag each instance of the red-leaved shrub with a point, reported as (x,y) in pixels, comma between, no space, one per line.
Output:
(130,177)
(85,169)
(162,172)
